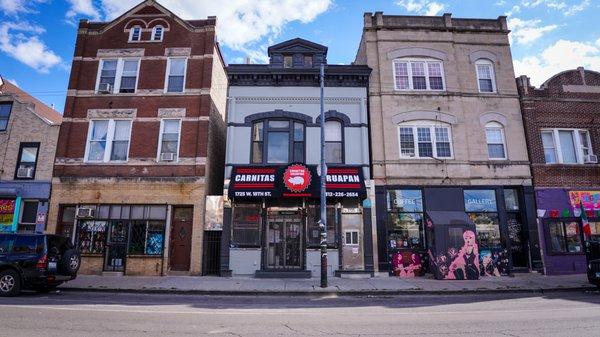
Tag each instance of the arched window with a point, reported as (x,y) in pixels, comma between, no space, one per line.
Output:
(494,135)
(157,33)
(277,141)
(486,79)
(425,139)
(135,33)
(334,142)
(419,74)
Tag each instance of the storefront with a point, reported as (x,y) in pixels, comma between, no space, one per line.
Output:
(561,213)
(23,206)
(128,239)
(430,229)
(271,228)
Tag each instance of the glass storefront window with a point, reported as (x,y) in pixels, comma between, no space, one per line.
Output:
(480,201)
(147,237)
(246,225)
(313,238)
(565,237)
(405,200)
(405,230)
(511,199)
(91,236)
(573,237)
(488,229)
(595,228)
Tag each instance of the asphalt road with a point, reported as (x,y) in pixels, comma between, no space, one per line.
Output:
(108,314)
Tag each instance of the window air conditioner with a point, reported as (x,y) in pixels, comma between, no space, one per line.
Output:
(105,88)
(590,159)
(167,156)
(85,212)
(25,172)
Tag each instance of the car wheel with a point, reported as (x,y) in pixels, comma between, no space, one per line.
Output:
(10,283)
(70,262)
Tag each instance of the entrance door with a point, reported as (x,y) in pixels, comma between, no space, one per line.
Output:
(181,238)
(518,241)
(352,248)
(116,246)
(284,240)
(212,253)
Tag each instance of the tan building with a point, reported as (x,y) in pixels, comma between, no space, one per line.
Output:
(447,136)
(142,143)
(28,137)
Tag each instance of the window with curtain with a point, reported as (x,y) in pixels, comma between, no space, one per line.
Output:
(566,146)
(485,75)
(421,139)
(334,147)
(494,135)
(418,74)
(118,76)
(108,140)
(277,141)
(169,137)
(176,69)
(129,76)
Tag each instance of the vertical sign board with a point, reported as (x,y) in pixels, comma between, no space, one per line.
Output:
(9,214)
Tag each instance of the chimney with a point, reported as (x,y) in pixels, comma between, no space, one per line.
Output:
(248,60)
(447,20)
(582,74)
(368,19)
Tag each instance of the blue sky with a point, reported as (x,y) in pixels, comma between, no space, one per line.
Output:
(37,36)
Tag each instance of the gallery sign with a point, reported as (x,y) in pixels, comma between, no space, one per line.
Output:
(295,180)
(480,201)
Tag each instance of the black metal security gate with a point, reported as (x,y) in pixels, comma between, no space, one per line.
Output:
(212,253)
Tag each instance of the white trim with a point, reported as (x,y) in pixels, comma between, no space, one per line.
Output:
(162,33)
(426,61)
(160,136)
(496,126)
(575,134)
(110,135)
(490,64)
(414,125)
(118,73)
(357,243)
(168,71)
(131,30)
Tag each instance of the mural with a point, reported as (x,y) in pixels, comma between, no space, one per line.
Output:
(7,210)
(589,199)
(494,262)
(407,264)
(456,263)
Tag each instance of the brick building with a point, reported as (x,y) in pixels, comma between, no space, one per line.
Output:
(449,158)
(28,137)
(142,142)
(562,121)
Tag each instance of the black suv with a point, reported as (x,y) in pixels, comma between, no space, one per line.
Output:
(592,252)
(35,261)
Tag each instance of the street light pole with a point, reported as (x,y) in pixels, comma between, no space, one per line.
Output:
(323,222)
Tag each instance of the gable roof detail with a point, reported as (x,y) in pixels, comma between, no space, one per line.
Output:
(44,112)
(297,45)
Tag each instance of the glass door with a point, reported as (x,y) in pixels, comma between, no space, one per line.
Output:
(284,241)
(116,246)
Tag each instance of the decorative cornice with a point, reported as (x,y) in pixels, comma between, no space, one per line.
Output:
(297,100)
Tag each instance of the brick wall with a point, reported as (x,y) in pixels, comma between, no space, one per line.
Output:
(564,101)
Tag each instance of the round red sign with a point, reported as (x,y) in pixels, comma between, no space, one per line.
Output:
(297,178)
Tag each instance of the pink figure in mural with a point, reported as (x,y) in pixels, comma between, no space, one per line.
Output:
(466,264)
(405,266)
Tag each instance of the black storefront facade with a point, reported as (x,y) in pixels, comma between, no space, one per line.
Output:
(270,222)
(456,232)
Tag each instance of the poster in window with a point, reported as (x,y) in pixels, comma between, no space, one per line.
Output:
(7,211)
(407,264)
(213,217)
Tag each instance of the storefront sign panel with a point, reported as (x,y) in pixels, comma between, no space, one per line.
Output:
(405,201)
(480,200)
(7,212)
(589,199)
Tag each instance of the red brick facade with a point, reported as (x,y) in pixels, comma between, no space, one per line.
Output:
(568,100)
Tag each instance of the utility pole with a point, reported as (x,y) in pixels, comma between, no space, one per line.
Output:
(323,222)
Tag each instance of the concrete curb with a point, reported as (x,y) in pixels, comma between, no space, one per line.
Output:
(333,292)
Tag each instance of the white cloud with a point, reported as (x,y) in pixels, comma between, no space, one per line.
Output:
(527,31)
(242,24)
(561,56)
(13,7)
(515,9)
(577,8)
(21,42)
(423,7)
(82,8)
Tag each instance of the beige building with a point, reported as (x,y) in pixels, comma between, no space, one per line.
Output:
(28,137)
(446,133)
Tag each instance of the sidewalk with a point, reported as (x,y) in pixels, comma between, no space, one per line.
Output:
(379,285)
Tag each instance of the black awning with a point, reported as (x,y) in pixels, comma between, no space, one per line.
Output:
(449,218)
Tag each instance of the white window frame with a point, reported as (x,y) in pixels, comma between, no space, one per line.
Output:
(432,126)
(119,73)
(410,77)
(168,71)
(162,33)
(357,243)
(160,137)
(110,134)
(490,64)
(496,126)
(131,30)
(578,144)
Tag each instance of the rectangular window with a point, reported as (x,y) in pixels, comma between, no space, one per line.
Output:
(257,143)
(485,77)
(27,161)
(487,226)
(313,230)
(495,142)
(333,142)
(170,130)
(564,237)
(5,109)
(308,61)
(351,238)
(28,217)
(566,146)
(278,147)
(245,227)
(431,141)
(118,76)
(288,61)
(147,237)
(176,69)
(418,75)
(108,140)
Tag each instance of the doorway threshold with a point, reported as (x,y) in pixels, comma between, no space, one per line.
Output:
(283,274)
